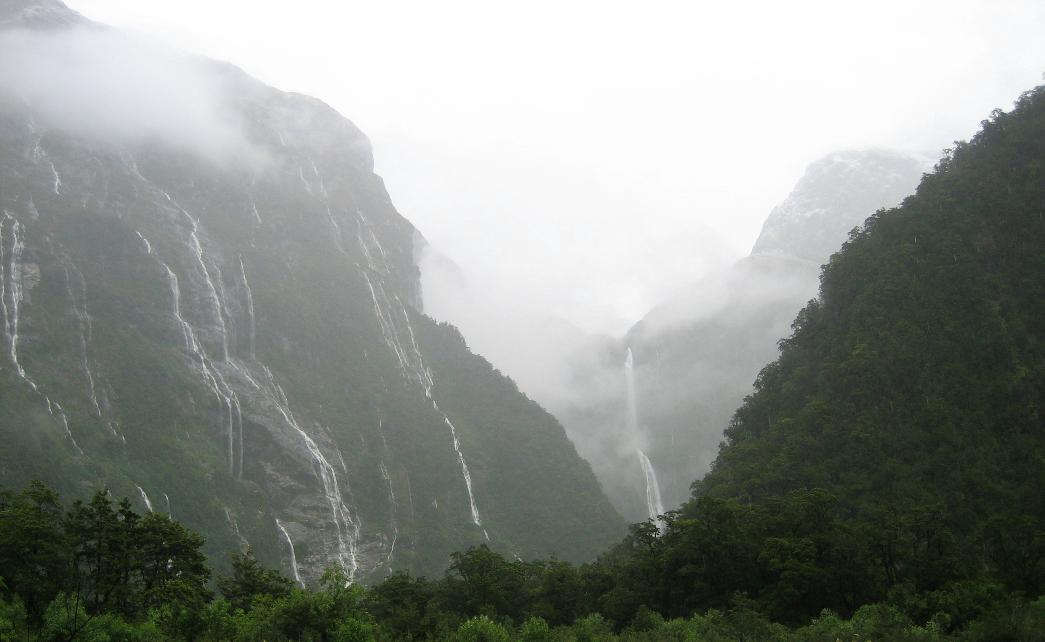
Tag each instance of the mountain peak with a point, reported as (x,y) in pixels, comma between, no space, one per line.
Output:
(836,193)
(37,14)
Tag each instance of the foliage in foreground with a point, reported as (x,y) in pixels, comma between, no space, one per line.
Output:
(100,572)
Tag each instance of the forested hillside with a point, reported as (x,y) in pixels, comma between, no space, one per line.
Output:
(914,384)
(894,452)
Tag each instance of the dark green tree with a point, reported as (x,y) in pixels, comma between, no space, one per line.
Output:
(250,579)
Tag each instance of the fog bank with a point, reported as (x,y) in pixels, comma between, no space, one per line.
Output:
(115,87)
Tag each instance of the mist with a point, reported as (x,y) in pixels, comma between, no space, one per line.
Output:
(585,146)
(116,87)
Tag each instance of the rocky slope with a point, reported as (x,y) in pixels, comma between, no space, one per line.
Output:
(221,318)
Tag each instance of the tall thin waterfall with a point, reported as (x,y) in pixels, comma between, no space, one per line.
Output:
(654,504)
(145,498)
(293,556)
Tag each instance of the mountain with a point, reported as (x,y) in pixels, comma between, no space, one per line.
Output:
(917,375)
(835,194)
(696,355)
(210,305)
(894,450)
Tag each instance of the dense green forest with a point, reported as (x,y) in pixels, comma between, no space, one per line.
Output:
(883,482)
(99,572)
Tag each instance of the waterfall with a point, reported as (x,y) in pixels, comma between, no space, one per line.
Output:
(249,298)
(57,186)
(13,290)
(653,502)
(214,380)
(86,331)
(11,295)
(411,362)
(467,476)
(235,528)
(170,513)
(347,529)
(212,292)
(145,242)
(393,505)
(223,374)
(65,423)
(654,505)
(293,555)
(254,210)
(211,377)
(145,498)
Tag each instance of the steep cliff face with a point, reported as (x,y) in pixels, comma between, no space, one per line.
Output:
(696,355)
(231,331)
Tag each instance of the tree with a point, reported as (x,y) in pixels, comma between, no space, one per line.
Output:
(35,558)
(249,579)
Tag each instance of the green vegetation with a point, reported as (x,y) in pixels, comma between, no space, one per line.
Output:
(100,572)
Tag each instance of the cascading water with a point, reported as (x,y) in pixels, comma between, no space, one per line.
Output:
(293,555)
(211,376)
(346,529)
(65,423)
(213,379)
(212,292)
(11,295)
(654,505)
(254,211)
(86,330)
(235,528)
(653,502)
(393,505)
(13,291)
(57,186)
(145,499)
(249,299)
(411,362)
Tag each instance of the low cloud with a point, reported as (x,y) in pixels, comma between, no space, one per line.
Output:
(118,88)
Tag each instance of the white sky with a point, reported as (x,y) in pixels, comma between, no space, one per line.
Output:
(593,156)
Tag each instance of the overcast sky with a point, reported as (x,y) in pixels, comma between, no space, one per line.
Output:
(593,156)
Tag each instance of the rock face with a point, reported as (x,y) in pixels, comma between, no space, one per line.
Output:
(696,356)
(836,194)
(228,326)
